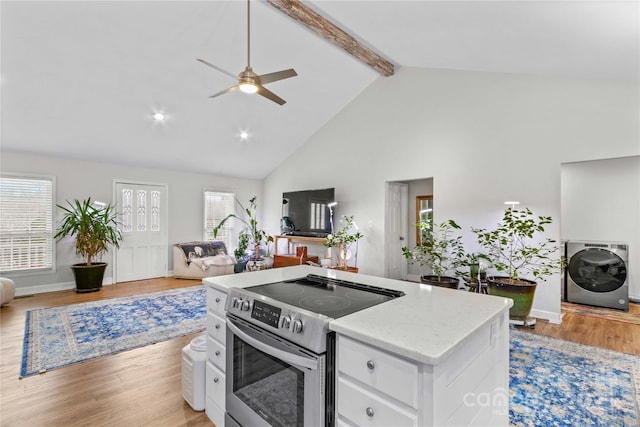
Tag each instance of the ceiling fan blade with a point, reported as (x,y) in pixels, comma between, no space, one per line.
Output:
(222,92)
(278,75)
(270,95)
(217,68)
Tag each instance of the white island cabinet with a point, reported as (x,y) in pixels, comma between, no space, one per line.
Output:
(376,387)
(433,357)
(215,367)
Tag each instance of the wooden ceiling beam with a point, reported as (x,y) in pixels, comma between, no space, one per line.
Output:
(336,35)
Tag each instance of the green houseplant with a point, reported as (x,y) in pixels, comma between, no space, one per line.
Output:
(514,248)
(341,240)
(250,234)
(240,252)
(440,250)
(95,229)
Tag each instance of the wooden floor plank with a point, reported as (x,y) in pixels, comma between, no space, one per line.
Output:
(143,386)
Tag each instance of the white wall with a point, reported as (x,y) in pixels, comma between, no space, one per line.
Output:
(597,205)
(483,137)
(79,180)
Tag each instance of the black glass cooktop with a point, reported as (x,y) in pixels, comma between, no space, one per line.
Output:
(330,297)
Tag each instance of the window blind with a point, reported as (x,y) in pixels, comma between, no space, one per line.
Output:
(217,206)
(26,223)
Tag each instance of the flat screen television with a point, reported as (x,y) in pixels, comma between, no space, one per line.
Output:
(307,213)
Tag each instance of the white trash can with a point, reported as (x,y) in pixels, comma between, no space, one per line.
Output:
(194,356)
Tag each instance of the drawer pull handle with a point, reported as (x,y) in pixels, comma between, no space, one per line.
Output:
(370,412)
(217,352)
(217,325)
(215,380)
(370,364)
(217,299)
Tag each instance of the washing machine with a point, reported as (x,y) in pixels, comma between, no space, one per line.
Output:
(597,274)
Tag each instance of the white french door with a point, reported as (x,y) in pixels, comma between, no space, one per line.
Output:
(143,252)
(396,229)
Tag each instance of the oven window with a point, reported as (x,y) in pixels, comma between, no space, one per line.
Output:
(272,388)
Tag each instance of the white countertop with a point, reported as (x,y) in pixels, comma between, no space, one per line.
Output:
(426,325)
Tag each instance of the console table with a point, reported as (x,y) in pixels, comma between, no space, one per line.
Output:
(287,259)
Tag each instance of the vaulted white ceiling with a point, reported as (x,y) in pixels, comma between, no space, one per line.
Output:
(81,79)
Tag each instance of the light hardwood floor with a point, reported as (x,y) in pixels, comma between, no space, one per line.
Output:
(142,387)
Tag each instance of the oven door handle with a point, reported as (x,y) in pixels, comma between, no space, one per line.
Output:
(285,356)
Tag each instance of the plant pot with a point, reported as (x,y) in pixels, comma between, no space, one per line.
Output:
(256,265)
(444,282)
(88,277)
(268,261)
(240,266)
(521,293)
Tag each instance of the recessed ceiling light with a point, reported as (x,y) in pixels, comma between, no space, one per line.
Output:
(244,135)
(159,117)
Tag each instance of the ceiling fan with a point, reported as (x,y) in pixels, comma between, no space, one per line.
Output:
(248,81)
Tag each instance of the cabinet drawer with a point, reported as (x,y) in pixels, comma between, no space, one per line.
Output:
(216,327)
(215,387)
(216,353)
(364,408)
(380,370)
(216,301)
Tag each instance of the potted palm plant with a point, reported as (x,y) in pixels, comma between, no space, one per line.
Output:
(254,235)
(95,229)
(439,250)
(514,249)
(342,239)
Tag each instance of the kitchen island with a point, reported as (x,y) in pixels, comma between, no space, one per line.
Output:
(434,356)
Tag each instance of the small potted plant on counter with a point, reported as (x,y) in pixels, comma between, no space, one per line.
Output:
(95,228)
(514,248)
(342,240)
(440,251)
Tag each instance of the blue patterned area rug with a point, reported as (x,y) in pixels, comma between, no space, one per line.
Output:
(554,382)
(61,336)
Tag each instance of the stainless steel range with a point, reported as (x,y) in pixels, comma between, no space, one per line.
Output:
(280,353)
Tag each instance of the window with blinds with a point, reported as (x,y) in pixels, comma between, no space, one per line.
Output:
(26,223)
(217,206)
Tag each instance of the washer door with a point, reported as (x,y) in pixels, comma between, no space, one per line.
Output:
(597,270)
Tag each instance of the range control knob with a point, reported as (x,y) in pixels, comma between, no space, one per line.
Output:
(235,303)
(246,305)
(296,326)
(285,321)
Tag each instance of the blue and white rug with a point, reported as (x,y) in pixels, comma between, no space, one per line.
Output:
(554,382)
(61,336)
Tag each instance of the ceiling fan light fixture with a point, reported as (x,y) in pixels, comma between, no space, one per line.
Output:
(248,87)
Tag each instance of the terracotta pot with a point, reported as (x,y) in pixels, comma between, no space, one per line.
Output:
(88,277)
(444,282)
(521,293)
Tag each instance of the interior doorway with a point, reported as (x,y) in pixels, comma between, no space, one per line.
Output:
(143,253)
(400,221)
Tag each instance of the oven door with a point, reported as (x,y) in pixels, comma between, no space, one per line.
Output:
(270,381)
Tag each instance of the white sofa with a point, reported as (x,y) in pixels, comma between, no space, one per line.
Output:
(196,260)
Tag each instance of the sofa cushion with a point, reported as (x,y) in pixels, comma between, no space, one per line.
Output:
(195,250)
(218,261)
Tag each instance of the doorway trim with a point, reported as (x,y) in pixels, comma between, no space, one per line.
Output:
(164,209)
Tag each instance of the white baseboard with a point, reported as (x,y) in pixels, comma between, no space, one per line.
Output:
(52,287)
(548,315)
